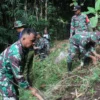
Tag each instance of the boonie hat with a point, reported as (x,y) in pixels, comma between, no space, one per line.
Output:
(18,24)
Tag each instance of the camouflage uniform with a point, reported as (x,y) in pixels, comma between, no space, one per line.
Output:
(43,47)
(10,70)
(79,23)
(79,43)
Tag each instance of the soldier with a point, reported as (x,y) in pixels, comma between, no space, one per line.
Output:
(79,22)
(20,26)
(46,34)
(11,67)
(83,43)
(42,46)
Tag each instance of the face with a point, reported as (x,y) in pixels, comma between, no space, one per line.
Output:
(28,40)
(19,29)
(77,12)
(45,31)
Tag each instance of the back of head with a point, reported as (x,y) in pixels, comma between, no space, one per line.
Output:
(29,31)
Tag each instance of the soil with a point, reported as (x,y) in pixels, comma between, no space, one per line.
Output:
(58,44)
(87,96)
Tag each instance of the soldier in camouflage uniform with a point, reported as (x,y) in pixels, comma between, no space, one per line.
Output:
(41,46)
(79,22)
(11,67)
(19,26)
(83,43)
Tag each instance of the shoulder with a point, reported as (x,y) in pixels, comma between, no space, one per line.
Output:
(73,17)
(14,49)
(83,15)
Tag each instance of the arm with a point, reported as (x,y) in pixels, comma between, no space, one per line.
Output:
(97,55)
(15,61)
(89,53)
(92,50)
(16,70)
(88,24)
(35,93)
(93,59)
(72,28)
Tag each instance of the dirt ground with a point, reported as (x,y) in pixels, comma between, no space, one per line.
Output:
(87,96)
(95,95)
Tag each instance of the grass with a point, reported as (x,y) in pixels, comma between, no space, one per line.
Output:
(53,80)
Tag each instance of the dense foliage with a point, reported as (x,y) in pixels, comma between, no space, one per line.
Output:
(48,76)
(39,14)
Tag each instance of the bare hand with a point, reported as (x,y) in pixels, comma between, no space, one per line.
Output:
(98,56)
(94,60)
(35,93)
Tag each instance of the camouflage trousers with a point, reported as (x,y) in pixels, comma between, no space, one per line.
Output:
(74,49)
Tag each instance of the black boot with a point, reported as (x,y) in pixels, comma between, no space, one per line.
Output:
(69,66)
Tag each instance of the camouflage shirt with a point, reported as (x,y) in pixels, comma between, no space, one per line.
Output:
(81,40)
(10,69)
(79,23)
(84,43)
(41,43)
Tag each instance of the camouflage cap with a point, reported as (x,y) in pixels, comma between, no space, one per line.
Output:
(18,24)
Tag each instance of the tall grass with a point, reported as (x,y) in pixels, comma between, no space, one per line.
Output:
(53,80)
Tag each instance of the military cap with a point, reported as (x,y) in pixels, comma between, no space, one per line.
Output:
(18,24)
(77,8)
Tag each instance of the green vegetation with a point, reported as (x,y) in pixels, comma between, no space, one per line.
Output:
(37,14)
(54,81)
(96,12)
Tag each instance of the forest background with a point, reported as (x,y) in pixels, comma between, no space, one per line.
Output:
(39,14)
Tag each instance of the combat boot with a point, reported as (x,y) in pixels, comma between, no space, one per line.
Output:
(69,66)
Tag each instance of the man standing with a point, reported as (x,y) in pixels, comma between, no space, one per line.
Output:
(85,44)
(11,67)
(46,34)
(79,22)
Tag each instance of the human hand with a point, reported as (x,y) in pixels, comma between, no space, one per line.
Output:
(98,56)
(35,93)
(94,60)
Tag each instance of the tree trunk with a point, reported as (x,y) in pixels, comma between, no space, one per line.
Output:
(36,12)
(46,4)
(41,10)
(25,10)
(36,9)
